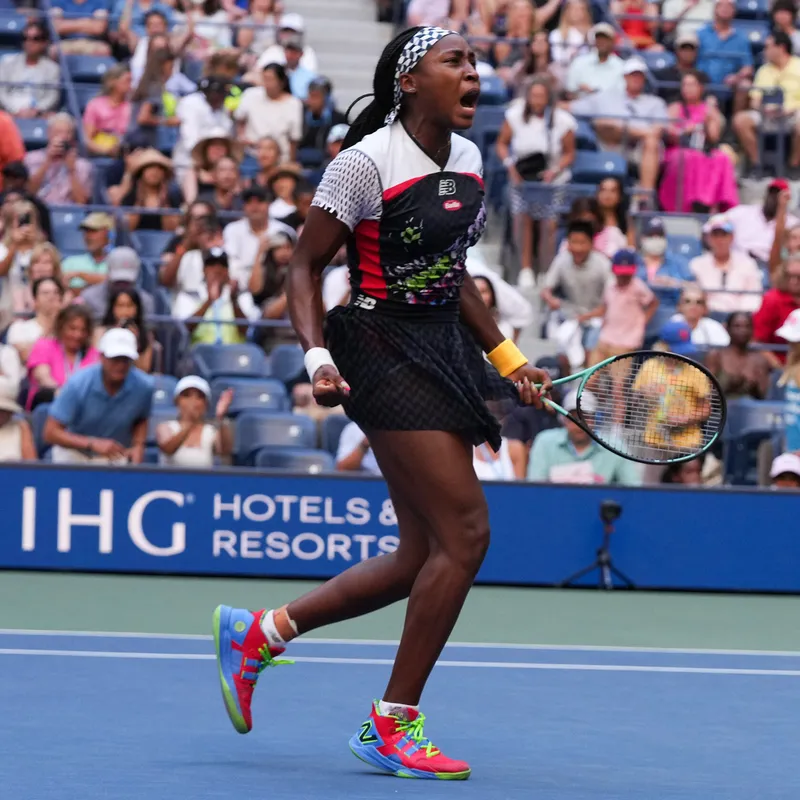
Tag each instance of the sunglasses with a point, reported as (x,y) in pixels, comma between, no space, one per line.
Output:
(34,38)
(693,301)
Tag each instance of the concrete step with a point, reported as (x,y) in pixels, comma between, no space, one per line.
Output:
(364,9)
(353,32)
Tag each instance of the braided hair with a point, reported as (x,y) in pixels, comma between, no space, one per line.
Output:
(372,117)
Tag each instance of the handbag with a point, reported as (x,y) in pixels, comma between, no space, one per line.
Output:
(532,167)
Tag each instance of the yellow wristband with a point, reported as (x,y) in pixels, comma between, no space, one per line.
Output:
(506,358)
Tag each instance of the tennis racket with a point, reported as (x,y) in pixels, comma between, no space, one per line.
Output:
(648,406)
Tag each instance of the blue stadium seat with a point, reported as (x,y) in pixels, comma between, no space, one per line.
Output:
(486,126)
(752,9)
(332,427)
(166,138)
(657,60)
(776,392)
(67,236)
(756,31)
(745,413)
(33,132)
(89,69)
(38,419)
(11,26)
(230,360)
(151,455)
(286,362)
(251,394)
(310,157)
(494,91)
(255,430)
(148,277)
(685,246)
(150,244)
(248,167)
(163,388)
(311,462)
(158,415)
(585,137)
(595,167)
(84,92)
(740,456)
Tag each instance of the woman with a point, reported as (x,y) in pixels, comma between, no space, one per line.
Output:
(608,238)
(190,441)
(536,143)
(282,187)
(268,157)
(698,177)
(210,25)
(741,372)
(522,20)
(401,146)
(790,381)
(45,263)
(612,201)
(693,309)
(639,22)
(571,37)
(511,311)
(687,473)
(22,234)
(53,360)
(124,310)
(150,179)
(108,116)
(152,104)
(16,436)
(783,17)
(215,145)
(538,60)
(267,287)
(786,242)
(48,299)
(256,31)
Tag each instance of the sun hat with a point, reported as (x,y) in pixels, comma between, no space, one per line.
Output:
(235,149)
(140,160)
(192,382)
(119,343)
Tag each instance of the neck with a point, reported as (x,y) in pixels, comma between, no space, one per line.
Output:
(722,259)
(98,255)
(722,26)
(32,60)
(259,226)
(112,387)
(45,318)
(433,138)
(740,347)
(602,57)
(782,61)
(70,352)
(224,193)
(582,446)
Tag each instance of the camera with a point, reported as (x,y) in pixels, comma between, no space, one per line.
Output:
(24,219)
(610,511)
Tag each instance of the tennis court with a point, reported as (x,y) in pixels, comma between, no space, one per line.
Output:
(625,695)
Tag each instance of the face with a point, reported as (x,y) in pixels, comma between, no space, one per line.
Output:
(604,45)
(693,306)
(226,174)
(155,25)
(115,370)
(48,298)
(577,435)
(293,56)
(95,240)
(520,16)
(167,68)
(124,307)
(316,100)
(719,243)
(793,240)
(122,85)
(608,194)
(272,84)
(485,288)
(74,334)
(256,210)
(216,99)
(445,86)
(540,44)
(215,274)
(42,267)
(687,55)
(741,329)
(267,153)
(197,214)
(61,132)
(334,148)
(284,187)
(772,52)
(303,204)
(579,245)
(282,254)
(153,175)
(690,473)
(538,98)
(635,83)
(783,18)
(34,42)
(792,275)
(724,10)
(192,404)
(623,280)
(786,481)
(691,89)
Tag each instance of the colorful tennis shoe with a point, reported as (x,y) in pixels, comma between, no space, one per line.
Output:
(243,653)
(398,746)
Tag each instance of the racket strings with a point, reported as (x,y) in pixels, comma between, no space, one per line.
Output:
(655,409)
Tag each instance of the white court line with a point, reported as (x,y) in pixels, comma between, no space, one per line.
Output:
(787,673)
(586,648)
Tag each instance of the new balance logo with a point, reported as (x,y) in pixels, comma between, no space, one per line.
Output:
(367,303)
(447,186)
(366,736)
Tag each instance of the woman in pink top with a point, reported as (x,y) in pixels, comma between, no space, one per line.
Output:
(107,116)
(53,360)
(697,175)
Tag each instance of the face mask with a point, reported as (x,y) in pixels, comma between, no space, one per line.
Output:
(654,245)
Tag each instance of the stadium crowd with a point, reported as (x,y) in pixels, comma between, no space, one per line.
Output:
(152,325)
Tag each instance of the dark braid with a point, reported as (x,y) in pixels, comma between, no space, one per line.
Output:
(372,117)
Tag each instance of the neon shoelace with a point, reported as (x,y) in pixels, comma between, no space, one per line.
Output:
(414,729)
(267,659)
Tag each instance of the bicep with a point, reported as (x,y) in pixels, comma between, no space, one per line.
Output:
(323,234)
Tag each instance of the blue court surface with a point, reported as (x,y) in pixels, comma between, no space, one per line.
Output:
(129,716)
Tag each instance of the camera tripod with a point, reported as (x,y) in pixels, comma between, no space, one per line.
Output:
(610,511)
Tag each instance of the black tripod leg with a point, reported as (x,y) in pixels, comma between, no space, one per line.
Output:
(622,577)
(578,575)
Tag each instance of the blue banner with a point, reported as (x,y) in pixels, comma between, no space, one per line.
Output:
(237,522)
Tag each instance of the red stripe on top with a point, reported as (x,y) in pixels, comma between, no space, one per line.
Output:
(401,187)
(372,281)
(477,177)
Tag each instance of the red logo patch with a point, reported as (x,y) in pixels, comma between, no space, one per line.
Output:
(452,205)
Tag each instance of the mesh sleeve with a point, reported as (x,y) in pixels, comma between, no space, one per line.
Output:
(350,188)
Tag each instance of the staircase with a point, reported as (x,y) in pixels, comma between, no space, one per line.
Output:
(348,42)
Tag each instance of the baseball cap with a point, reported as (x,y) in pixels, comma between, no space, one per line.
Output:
(124,265)
(687,37)
(338,132)
(588,402)
(192,382)
(215,255)
(119,343)
(292,22)
(603,29)
(255,192)
(97,221)
(552,366)
(654,227)
(718,223)
(634,65)
(780,184)
(624,262)
(790,330)
(786,462)
(677,336)
(215,83)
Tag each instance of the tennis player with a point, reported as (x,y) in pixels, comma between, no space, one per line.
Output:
(405,360)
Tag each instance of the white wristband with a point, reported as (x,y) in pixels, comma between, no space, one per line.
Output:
(315,358)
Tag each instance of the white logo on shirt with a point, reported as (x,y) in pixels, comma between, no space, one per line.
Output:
(367,303)
(447,186)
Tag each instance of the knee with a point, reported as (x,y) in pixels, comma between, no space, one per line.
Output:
(742,121)
(472,540)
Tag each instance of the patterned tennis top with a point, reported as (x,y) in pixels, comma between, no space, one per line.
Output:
(412,222)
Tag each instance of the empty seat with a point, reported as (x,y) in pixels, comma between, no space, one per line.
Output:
(150,244)
(12,24)
(657,60)
(33,132)
(230,360)
(688,247)
(89,69)
(751,9)
(592,167)
(585,137)
(163,389)
(251,394)
(332,427)
(84,92)
(311,462)
(255,430)
(286,362)
(67,235)
(494,91)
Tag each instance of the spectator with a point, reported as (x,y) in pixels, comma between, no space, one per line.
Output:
(612,203)
(268,289)
(637,128)
(225,192)
(290,27)
(125,310)
(197,215)
(571,37)
(698,176)
(790,381)
(685,64)
(16,436)
(10,368)
(210,27)
(257,31)
(599,69)
(151,187)
(45,263)
(48,297)
(491,466)
(627,307)
(511,311)
(29,81)
(689,16)
(271,110)
(354,453)
(786,242)
(686,473)
(12,148)
(693,310)
(53,360)
(58,175)
(218,300)
(754,226)
(777,307)
(225,65)
(537,60)
(638,20)
(183,272)
(580,275)
(108,116)
(199,113)
(268,158)
(569,455)
(319,118)
(334,142)
(101,414)
(536,143)
(209,151)
(90,267)
(15,182)
(724,52)
(82,26)
(783,15)
(22,234)
(781,71)
(283,187)
(152,104)
(157,38)
(299,76)
(785,472)
(741,372)
(124,272)
(723,271)
(523,19)
(190,441)
(134,16)
(302,199)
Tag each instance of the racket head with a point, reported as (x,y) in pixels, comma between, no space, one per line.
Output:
(651,406)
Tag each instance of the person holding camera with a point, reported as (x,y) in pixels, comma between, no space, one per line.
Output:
(58,175)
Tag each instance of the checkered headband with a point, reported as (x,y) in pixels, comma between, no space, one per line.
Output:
(412,54)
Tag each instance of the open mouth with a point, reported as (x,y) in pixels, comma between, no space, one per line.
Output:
(470,99)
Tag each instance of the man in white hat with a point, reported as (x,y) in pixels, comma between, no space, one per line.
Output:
(600,68)
(292,27)
(785,472)
(100,415)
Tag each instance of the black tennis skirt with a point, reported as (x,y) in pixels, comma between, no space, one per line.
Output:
(417,368)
